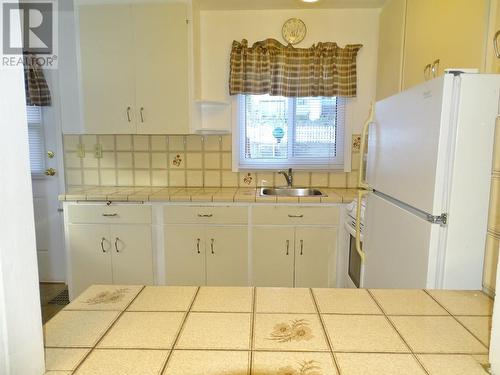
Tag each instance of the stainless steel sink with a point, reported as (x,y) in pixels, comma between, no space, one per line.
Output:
(291,192)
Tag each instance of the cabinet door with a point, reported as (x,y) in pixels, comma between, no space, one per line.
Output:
(420,19)
(390,48)
(184,255)
(273,256)
(132,257)
(107,68)
(89,262)
(315,257)
(227,256)
(453,32)
(161,68)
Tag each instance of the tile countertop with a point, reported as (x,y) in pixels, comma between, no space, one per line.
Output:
(250,195)
(123,329)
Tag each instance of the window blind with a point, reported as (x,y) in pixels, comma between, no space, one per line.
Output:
(36,140)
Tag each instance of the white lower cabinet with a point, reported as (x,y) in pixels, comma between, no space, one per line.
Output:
(108,244)
(315,257)
(206,255)
(294,256)
(273,256)
(109,254)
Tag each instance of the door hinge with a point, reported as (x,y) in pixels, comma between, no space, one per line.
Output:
(441,219)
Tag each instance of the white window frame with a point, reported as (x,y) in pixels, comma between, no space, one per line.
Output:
(319,164)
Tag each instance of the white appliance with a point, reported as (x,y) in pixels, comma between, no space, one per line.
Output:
(428,172)
(354,267)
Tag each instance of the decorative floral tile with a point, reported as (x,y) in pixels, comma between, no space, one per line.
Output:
(293,363)
(356,143)
(301,332)
(105,297)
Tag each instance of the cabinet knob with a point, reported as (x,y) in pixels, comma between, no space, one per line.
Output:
(116,244)
(102,244)
(198,246)
(495,44)
(141,112)
(297,216)
(427,72)
(212,246)
(435,68)
(128,114)
(287,247)
(301,247)
(205,215)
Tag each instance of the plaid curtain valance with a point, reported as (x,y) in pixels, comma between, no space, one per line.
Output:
(269,67)
(37,90)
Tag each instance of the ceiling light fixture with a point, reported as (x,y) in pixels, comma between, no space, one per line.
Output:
(310,1)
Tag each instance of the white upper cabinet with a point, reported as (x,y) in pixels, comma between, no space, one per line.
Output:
(107,69)
(134,68)
(419,39)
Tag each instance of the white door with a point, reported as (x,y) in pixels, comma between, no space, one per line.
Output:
(90,259)
(107,69)
(185,254)
(315,255)
(161,68)
(227,256)
(132,257)
(44,130)
(273,256)
(400,247)
(407,148)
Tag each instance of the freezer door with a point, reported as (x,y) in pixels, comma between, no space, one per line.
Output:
(400,247)
(408,147)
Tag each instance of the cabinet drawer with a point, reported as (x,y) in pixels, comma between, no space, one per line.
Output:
(295,215)
(102,213)
(205,214)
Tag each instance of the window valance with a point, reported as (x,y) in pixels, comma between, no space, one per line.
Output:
(37,89)
(269,67)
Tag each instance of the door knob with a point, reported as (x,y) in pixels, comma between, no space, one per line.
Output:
(50,172)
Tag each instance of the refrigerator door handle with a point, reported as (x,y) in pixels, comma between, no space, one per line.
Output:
(360,251)
(361,178)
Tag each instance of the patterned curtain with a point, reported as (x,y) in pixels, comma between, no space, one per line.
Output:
(37,90)
(269,67)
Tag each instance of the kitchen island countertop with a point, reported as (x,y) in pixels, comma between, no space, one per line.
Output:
(123,329)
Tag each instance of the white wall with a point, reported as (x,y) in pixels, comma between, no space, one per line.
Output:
(21,341)
(343,26)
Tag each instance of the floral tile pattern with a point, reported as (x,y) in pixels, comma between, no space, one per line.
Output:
(127,329)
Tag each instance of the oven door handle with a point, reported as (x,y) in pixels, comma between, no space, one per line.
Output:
(359,249)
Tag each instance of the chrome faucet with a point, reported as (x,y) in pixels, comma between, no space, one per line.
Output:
(288,177)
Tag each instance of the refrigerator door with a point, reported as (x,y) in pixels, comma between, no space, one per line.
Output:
(399,247)
(408,146)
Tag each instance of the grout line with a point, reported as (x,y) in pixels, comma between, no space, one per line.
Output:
(397,331)
(107,330)
(174,343)
(252,325)
(325,332)
(459,322)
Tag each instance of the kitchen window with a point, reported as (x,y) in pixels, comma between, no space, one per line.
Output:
(36,140)
(278,132)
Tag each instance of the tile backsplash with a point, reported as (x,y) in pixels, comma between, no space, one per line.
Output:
(175,160)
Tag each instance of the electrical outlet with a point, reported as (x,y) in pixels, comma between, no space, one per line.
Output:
(98,151)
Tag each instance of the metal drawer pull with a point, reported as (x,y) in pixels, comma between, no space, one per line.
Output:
(435,68)
(205,215)
(102,244)
(128,114)
(287,247)
(142,114)
(301,247)
(116,244)
(110,215)
(212,245)
(295,215)
(427,71)
(198,245)
(495,44)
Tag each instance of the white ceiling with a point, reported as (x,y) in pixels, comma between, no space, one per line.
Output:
(287,4)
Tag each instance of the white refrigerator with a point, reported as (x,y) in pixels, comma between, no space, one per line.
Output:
(428,169)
